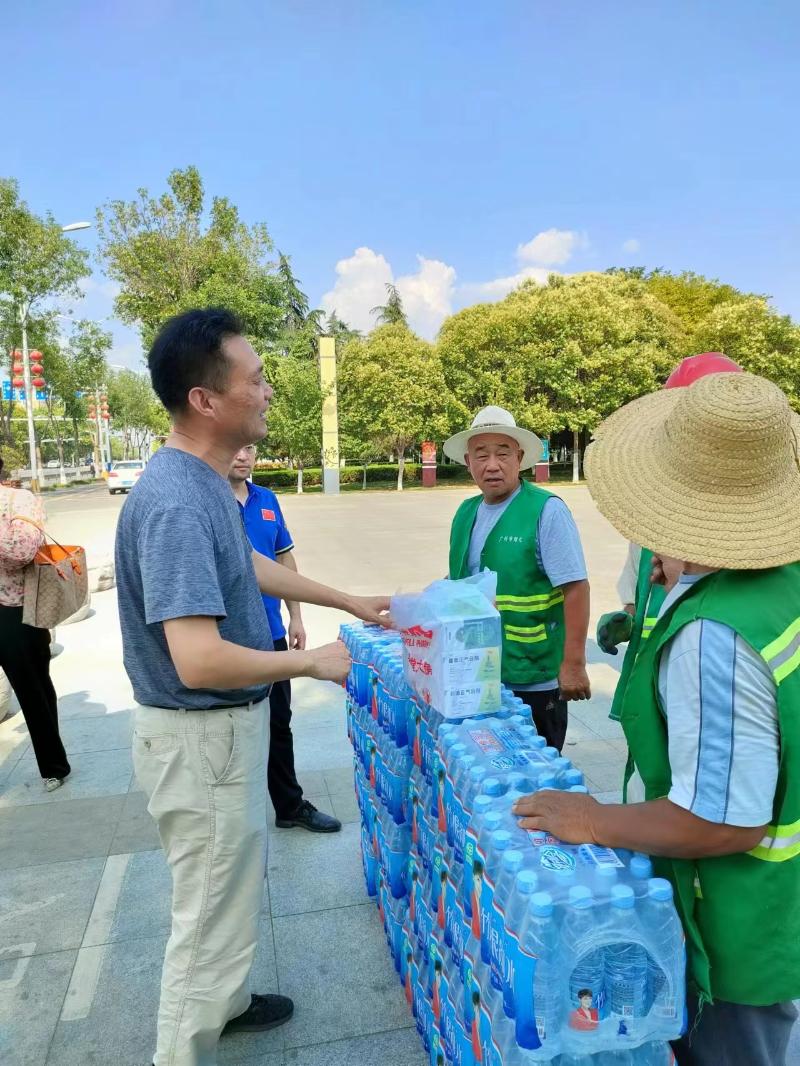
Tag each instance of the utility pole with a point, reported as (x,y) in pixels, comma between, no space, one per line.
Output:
(24,308)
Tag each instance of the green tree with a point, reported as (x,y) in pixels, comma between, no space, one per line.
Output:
(690,296)
(758,338)
(391,313)
(392,392)
(295,416)
(561,355)
(135,410)
(167,255)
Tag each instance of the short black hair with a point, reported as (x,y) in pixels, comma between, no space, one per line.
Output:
(585,992)
(187,354)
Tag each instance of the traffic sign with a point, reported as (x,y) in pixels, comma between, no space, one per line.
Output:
(18,395)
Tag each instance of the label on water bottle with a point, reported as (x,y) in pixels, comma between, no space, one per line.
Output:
(556,855)
(486,739)
(556,859)
(508,762)
(593,855)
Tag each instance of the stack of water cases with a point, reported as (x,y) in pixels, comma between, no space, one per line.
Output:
(511,947)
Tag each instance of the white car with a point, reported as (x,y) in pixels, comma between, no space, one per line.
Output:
(123,476)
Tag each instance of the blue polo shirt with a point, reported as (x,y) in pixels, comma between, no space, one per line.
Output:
(267,532)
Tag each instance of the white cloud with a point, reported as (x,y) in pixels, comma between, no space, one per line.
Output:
(632,245)
(361,285)
(497,288)
(551,247)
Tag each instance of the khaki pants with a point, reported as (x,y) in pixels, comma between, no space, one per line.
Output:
(204,774)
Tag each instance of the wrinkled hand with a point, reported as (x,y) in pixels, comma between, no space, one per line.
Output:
(331,662)
(373,609)
(573,681)
(567,815)
(297,634)
(612,629)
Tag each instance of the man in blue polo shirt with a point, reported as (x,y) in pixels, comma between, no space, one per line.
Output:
(267,532)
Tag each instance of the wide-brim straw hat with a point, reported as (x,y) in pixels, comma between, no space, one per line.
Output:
(495,420)
(708,474)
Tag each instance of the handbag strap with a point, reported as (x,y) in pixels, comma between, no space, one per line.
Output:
(45,534)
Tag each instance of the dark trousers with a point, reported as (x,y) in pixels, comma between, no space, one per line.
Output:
(729,1034)
(282,784)
(25,659)
(549,715)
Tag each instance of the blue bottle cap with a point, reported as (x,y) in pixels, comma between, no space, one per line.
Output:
(578,788)
(561,765)
(482,804)
(573,777)
(512,796)
(457,750)
(518,781)
(501,839)
(606,874)
(518,719)
(493,786)
(622,896)
(467,761)
(564,877)
(477,772)
(493,820)
(580,897)
(641,868)
(551,753)
(526,881)
(659,888)
(536,742)
(547,780)
(541,904)
(512,860)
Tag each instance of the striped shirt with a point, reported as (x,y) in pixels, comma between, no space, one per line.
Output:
(720,701)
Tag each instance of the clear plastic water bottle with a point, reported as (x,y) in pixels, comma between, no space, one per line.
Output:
(625,960)
(525,885)
(483,892)
(510,866)
(641,870)
(585,964)
(481,828)
(667,955)
(535,984)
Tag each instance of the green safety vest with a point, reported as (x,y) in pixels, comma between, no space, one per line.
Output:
(647,603)
(740,913)
(531,610)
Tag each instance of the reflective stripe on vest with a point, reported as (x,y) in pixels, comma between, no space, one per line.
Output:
(525,634)
(648,625)
(530,603)
(782,656)
(781,842)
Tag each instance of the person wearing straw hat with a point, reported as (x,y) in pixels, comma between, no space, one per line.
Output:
(529,538)
(641,598)
(708,478)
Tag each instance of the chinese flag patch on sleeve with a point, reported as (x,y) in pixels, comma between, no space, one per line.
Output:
(267,515)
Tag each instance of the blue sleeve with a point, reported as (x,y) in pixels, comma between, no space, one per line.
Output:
(283,538)
(559,550)
(177,561)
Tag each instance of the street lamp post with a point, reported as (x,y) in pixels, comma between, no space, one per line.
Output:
(24,312)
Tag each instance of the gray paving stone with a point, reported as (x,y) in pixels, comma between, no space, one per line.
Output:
(97,773)
(97,733)
(398,1047)
(340,778)
(46,908)
(335,966)
(33,991)
(603,777)
(257,1048)
(82,705)
(314,871)
(322,749)
(312,782)
(144,897)
(109,1013)
(136,830)
(39,833)
(345,806)
(11,751)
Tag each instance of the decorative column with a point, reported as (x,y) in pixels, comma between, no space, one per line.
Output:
(330,416)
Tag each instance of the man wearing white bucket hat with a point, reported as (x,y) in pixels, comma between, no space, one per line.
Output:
(708,478)
(528,537)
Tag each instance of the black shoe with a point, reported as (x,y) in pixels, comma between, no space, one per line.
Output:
(308,817)
(264,1012)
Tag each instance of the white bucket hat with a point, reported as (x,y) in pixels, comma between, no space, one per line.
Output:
(495,420)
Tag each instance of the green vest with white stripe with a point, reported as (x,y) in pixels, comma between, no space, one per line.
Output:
(647,603)
(740,913)
(531,610)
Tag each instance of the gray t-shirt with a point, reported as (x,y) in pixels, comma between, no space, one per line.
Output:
(182,552)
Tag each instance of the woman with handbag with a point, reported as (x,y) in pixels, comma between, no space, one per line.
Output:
(24,649)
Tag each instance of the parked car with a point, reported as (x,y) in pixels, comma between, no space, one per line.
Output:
(123,475)
(53,464)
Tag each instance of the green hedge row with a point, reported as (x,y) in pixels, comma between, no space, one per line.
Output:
(351,475)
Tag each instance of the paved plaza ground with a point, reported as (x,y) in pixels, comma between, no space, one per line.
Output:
(84,888)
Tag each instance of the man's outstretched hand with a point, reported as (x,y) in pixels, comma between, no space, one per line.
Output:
(372,609)
(567,815)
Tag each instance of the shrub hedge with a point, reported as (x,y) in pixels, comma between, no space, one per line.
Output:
(350,475)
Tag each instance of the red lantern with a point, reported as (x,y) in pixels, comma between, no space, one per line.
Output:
(37,357)
(39,382)
(18,368)
(37,369)
(18,383)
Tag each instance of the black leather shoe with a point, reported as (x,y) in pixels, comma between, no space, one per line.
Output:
(264,1012)
(308,817)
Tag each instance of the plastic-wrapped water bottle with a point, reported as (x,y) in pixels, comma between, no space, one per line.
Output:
(535,986)
(510,866)
(525,885)
(641,869)
(480,829)
(666,936)
(625,961)
(584,964)
(488,873)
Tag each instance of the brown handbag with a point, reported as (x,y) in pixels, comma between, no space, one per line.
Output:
(56,583)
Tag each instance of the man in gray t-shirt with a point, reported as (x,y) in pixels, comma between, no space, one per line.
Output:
(201,663)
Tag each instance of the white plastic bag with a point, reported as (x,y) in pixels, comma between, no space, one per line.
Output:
(452,644)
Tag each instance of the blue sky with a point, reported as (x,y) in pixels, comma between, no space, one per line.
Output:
(452,147)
